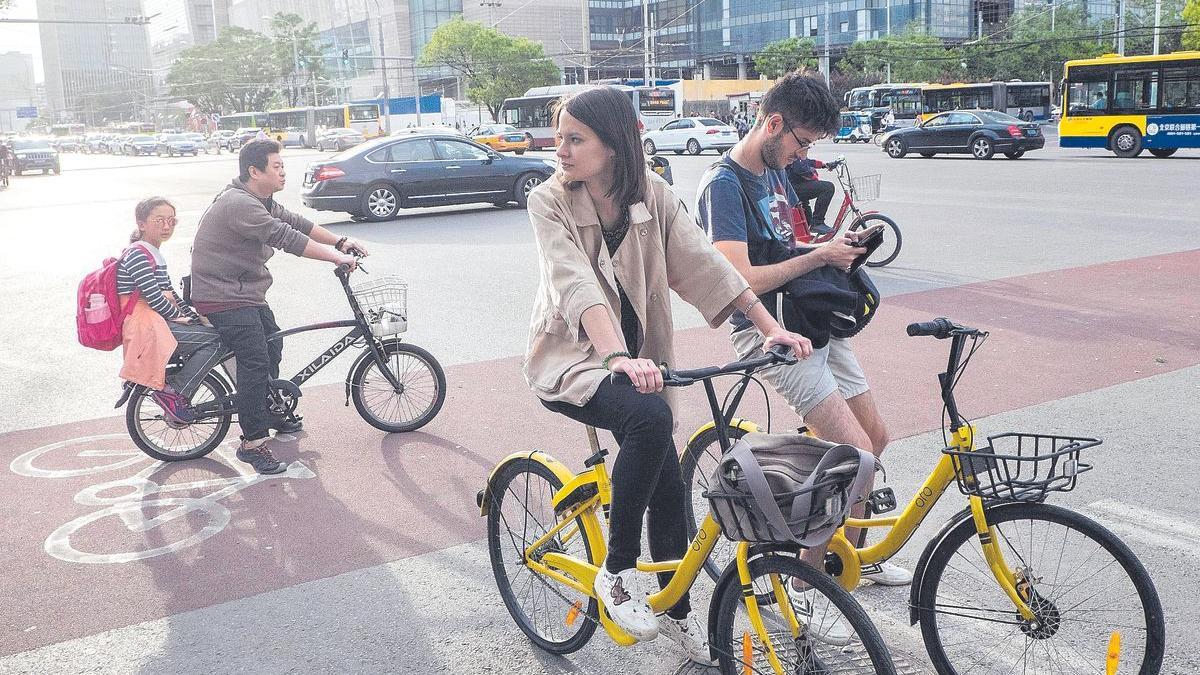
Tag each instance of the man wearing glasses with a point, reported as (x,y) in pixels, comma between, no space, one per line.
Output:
(745,203)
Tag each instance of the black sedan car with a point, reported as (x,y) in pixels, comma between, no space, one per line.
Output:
(373,181)
(980,133)
(139,145)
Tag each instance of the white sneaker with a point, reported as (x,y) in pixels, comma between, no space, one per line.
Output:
(823,619)
(689,634)
(887,574)
(626,603)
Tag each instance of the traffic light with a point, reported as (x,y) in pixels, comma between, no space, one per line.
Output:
(346,58)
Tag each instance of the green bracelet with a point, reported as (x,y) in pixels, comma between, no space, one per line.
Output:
(614,355)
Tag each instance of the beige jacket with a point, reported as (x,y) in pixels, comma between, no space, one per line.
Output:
(664,250)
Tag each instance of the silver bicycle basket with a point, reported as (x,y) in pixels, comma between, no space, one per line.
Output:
(865,188)
(384,301)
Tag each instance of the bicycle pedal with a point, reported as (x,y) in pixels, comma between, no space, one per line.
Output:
(882,500)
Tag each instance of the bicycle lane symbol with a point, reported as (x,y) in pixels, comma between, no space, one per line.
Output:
(130,499)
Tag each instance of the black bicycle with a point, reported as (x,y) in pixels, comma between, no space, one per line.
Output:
(395,386)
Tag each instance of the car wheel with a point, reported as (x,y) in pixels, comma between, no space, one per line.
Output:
(1015,154)
(1028,117)
(981,148)
(519,152)
(927,155)
(649,146)
(896,148)
(837,140)
(525,184)
(1162,153)
(693,147)
(1126,142)
(380,202)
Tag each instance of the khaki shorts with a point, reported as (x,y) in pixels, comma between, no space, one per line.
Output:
(805,384)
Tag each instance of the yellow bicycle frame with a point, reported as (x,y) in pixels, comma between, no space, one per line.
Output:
(902,527)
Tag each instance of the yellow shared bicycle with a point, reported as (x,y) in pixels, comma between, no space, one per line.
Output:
(1009,584)
(546,541)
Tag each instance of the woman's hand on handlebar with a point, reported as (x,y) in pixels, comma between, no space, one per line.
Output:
(643,373)
(800,345)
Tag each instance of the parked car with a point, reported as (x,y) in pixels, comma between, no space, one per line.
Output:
(373,181)
(980,133)
(225,138)
(339,139)
(139,145)
(244,135)
(115,144)
(31,154)
(176,144)
(66,143)
(502,138)
(203,143)
(694,134)
(94,143)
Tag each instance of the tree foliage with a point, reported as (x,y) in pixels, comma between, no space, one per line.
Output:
(236,72)
(914,56)
(494,66)
(290,32)
(1036,51)
(780,58)
(1190,37)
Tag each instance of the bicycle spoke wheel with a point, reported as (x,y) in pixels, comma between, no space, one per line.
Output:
(556,618)
(150,431)
(1085,584)
(699,461)
(890,248)
(818,630)
(420,396)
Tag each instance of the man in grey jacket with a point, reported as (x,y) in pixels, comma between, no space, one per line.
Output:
(237,235)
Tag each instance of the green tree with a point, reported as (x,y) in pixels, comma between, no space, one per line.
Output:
(1037,52)
(494,66)
(780,58)
(1190,37)
(299,53)
(913,56)
(234,73)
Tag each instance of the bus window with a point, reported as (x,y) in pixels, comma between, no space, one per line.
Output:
(1135,90)
(1181,89)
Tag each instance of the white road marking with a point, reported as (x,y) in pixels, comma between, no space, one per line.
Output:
(1158,528)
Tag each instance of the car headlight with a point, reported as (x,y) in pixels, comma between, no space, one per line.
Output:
(21,155)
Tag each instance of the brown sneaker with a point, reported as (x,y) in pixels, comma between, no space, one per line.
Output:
(260,458)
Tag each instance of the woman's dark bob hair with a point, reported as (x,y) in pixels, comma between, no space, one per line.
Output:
(608,111)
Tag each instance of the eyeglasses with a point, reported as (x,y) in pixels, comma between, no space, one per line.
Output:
(163,222)
(803,145)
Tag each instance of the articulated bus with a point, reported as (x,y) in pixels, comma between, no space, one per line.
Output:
(904,100)
(531,113)
(1028,101)
(291,126)
(1127,103)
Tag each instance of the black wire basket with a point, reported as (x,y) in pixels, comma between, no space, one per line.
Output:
(1020,467)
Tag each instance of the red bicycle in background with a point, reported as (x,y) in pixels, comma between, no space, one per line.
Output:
(855,189)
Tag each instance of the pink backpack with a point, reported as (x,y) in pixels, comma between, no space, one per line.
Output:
(98,316)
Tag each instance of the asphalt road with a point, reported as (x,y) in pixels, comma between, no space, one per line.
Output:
(1063,249)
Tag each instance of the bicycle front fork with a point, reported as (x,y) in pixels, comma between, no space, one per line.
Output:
(1015,585)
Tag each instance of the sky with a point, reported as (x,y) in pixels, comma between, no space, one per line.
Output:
(22,37)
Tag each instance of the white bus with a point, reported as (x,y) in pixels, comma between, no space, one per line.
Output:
(1027,100)
(531,113)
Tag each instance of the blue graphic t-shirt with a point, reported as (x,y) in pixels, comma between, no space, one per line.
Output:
(723,212)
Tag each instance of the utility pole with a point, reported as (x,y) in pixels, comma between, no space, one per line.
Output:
(1121,27)
(1053,8)
(646,41)
(825,61)
(1157,21)
(387,94)
(417,90)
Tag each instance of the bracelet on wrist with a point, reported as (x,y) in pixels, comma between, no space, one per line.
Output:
(750,306)
(614,355)
(339,243)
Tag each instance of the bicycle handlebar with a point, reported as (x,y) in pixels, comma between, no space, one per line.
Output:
(940,328)
(777,355)
(342,271)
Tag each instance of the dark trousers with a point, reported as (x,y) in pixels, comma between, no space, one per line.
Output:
(244,332)
(198,347)
(645,476)
(822,190)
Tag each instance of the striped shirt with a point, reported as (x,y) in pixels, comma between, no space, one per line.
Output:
(149,275)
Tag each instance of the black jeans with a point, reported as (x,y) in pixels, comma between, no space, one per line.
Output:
(244,332)
(645,475)
(822,190)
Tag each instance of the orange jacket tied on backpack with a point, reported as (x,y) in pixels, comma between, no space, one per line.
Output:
(147,344)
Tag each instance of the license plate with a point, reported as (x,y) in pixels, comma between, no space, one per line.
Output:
(308,178)
(1031,132)
(514,139)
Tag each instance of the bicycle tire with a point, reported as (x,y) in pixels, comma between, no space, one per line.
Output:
(696,465)
(1055,621)
(211,388)
(563,597)
(867,654)
(886,253)
(427,367)
(877,139)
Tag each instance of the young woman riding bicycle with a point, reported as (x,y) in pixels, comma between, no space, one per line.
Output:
(613,241)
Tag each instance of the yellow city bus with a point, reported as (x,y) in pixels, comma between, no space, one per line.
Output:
(1129,103)
(291,126)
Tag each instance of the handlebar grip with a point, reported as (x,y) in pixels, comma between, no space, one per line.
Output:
(939,328)
(342,270)
(783,354)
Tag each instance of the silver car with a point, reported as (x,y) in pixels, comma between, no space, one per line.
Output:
(339,139)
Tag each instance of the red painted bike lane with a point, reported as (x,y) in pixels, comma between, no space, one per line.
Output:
(98,536)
